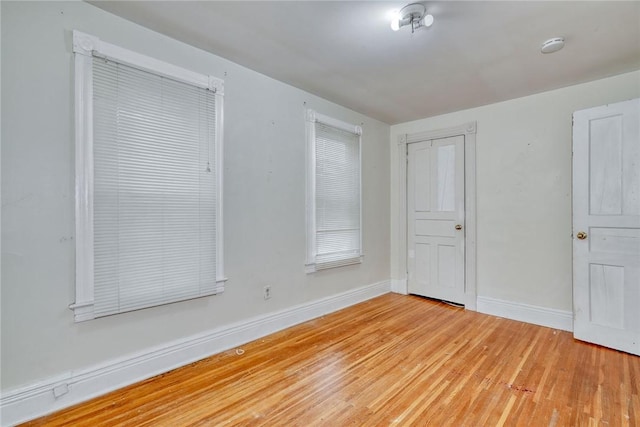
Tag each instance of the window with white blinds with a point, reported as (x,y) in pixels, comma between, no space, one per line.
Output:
(333,185)
(150,162)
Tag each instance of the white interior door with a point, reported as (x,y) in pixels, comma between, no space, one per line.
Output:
(606,225)
(435,218)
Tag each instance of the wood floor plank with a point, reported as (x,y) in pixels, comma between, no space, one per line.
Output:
(394,360)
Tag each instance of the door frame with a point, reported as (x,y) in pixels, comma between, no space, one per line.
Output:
(468,131)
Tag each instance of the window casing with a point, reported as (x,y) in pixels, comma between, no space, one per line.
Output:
(334,204)
(148,181)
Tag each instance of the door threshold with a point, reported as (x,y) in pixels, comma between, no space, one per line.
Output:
(451,303)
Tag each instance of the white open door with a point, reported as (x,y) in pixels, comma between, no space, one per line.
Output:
(435,219)
(606,225)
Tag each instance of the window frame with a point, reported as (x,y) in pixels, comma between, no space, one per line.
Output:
(311,118)
(85,47)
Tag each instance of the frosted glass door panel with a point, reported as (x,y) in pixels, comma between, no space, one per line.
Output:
(446,178)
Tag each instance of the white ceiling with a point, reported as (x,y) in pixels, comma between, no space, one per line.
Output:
(475,53)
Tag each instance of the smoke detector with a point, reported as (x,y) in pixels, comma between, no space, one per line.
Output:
(552,45)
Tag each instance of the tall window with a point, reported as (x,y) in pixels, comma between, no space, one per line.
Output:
(334,233)
(148,179)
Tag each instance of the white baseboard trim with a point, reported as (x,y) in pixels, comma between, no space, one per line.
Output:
(549,317)
(73,387)
(399,286)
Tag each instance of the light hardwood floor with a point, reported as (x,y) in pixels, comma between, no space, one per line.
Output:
(393,360)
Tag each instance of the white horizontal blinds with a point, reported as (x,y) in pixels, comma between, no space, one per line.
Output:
(337,196)
(154,189)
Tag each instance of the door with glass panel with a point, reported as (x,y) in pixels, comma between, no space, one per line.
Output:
(435,222)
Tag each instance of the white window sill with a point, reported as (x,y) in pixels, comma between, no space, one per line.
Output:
(312,268)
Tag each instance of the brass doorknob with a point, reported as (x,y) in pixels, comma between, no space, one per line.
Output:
(581,235)
(458,227)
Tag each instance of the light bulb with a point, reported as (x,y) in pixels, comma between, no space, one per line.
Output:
(395,20)
(427,20)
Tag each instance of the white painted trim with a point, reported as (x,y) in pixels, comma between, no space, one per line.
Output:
(471,294)
(219,147)
(88,45)
(358,130)
(464,129)
(399,286)
(402,213)
(549,317)
(468,130)
(310,207)
(312,268)
(315,117)
(74,387)
(83,307)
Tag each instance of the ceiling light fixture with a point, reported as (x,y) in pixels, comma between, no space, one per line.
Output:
(414,14)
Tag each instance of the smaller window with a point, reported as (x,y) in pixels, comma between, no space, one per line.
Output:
(334,215)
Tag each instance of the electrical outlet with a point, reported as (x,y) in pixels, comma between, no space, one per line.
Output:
(267,292)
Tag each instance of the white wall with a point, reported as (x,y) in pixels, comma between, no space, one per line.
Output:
(264,198)
(523,189)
